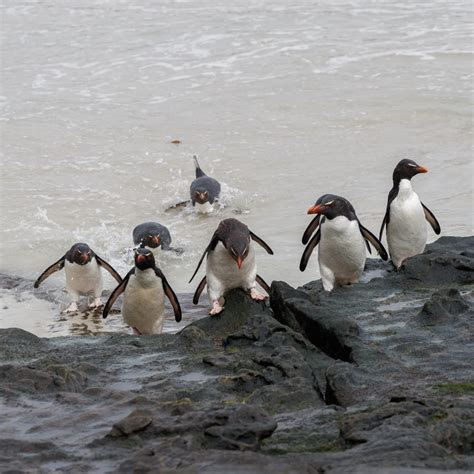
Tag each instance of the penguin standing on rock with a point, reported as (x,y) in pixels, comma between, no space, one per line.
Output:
(230,264)
(144,289)
(342,241)
(204,191)
(406,215)
(83,274)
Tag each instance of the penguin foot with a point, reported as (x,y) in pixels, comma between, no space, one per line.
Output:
(97,303)
(136,332)
(72,308)
(256,295)
(216,308)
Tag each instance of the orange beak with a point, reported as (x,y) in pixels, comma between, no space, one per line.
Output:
(239,262)
(141,258)
(422,169)
(156,240)
(316,209)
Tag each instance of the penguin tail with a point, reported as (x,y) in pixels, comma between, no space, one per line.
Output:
(199,171)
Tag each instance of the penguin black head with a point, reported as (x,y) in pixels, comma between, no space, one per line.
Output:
(333,206)
(151,240)
(144,259)
(201,195)
(406,169)
(235,237)
(80,253)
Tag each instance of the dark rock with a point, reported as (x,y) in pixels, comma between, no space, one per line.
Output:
(138,420)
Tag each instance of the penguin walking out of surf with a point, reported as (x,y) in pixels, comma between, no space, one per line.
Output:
(204,191)
(230,264)
(152,235)
(83,274)
(144,288)
(406,216)
(342,242)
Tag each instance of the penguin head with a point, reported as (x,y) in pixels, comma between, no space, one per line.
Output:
(144,258)
(151,240)
(333,206)
(80,253)
(406,169)
(201,195)
(238,246)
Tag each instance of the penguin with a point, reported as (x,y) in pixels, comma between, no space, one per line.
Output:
(152,235)
(405,215)
(342,240)
(83,274)
(144,289)
(230,264)
(204,191)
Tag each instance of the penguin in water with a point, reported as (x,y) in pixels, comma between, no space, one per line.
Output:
(405,215)
(230,264)
(152,235)
(204,191)
(83,274)
(342,240)
(144,289)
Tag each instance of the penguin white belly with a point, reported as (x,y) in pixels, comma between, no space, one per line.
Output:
(406,230)
(223,274)
(204,208)
(341,252)
(143,302)
(84,279)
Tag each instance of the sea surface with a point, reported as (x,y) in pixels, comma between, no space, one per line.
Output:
(281,100)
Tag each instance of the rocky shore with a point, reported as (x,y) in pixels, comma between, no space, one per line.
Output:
(372,378)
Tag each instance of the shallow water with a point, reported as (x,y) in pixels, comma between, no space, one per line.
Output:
(281,100)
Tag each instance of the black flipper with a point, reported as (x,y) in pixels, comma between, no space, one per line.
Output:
(55,267)
(171,295)
(211,246)
(430,217)
(263,283)
(116,293)
(309,250)
(179,204)
(313,225)
(109,268)
(369,237)
(257,239)
(386,218)
(199,290)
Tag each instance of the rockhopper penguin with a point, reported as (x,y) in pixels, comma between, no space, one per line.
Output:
(204,191)
(83,274)
(152,235)
(406,215)
(342,241)
(144,288)
(230,264)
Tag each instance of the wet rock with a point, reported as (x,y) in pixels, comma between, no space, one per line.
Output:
(443,307)
(138,420)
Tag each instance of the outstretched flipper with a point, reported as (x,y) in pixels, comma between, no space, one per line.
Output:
(171,295)
(211,246)
(309,250)
(199,290)
(177,205)
(199,171)
(263,283)
(313,225)
(116,293)
(109,268)
(430,217)
(257,239)
(369,237)
(55,267)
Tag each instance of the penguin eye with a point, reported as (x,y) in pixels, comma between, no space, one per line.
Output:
(78,251)
(246,251)
(233,251)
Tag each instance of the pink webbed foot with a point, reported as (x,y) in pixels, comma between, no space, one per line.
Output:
(216,308)
(256,295)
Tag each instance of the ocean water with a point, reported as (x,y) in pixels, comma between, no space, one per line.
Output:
(281,100)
